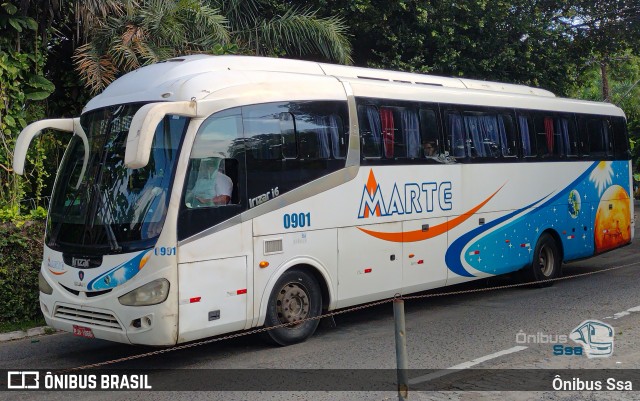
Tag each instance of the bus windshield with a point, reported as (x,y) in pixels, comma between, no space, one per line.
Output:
(112,208)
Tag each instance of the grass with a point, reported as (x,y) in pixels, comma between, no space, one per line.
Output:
(6,327)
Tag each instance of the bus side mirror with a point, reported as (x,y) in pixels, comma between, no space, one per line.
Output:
(34,129)
(143,127)
(31,131)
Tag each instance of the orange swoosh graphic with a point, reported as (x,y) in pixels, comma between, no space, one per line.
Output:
(57,273)
(419,235)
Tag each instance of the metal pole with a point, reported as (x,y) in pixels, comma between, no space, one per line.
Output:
(401,349)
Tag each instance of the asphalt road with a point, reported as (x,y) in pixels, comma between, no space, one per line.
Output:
(478,330)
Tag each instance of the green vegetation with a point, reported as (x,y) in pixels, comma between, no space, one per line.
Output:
(22,325)
(20,259)
(588,49)
(154,30)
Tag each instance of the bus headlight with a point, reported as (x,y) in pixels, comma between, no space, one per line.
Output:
(43,285)
(151,293)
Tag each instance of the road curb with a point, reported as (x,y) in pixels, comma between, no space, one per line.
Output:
(21,334)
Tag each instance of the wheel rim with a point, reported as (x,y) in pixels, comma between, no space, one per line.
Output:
(546,261)
(292,303)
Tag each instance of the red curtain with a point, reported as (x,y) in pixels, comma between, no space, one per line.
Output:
(548,129)
(386,118)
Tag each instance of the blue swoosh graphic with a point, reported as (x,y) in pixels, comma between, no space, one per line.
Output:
(453,255)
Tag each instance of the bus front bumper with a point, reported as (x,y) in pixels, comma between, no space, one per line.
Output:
(149,325)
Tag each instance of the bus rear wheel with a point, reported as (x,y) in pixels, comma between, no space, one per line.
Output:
(546,262)
(296,296)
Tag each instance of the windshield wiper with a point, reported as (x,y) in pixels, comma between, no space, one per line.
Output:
(107,208)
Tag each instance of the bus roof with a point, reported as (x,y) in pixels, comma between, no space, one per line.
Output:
(167,81)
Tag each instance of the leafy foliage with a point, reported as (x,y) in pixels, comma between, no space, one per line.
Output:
(22,83)
(159,29)
(624,92)
(269,28)
(20,258)
(155,31)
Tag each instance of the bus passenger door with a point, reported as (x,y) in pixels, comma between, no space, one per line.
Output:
(425,244)
(369,268)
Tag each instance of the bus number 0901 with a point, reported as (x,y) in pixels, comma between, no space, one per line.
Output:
(295,220)
(165,251)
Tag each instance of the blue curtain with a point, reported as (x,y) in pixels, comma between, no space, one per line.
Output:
(524,132)
(411,132)
(502,131)
(562,129)
(484,135)
(457,135)
(475,135)
(376,128)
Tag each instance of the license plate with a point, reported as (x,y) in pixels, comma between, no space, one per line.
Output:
(82,331)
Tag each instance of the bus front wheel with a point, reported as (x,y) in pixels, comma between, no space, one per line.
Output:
(546,262)
(296,297)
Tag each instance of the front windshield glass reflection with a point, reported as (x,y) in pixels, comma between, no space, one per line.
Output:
(114,208)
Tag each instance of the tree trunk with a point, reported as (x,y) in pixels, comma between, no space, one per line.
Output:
(605,81)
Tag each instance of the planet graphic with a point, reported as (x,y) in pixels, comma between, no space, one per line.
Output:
(613,219)
(574,204)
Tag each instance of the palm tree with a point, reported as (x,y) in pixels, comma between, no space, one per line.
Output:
(147,31)
(293,31)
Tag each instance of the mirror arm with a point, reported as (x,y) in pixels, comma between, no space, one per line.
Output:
(143,127)
(77,130)
(31,131)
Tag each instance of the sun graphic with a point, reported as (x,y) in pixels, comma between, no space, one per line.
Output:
(613,219)
(601,176)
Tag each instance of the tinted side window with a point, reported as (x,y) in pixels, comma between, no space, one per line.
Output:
(214,188)
(509,145)
(480,134)
(570,134)
(545,134)
(620,138)
(485,134)
(316,130)
(399,132)
(597,137)
(370,131)
(320,131)
(266,129)
(212,176)
(389,132)
(430,133)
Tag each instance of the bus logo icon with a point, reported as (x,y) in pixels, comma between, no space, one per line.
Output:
(23,380)
(595,337)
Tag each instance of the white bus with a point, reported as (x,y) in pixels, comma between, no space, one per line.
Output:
(205,195)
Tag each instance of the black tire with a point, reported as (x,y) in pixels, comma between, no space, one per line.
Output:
(546,263)
(295,296)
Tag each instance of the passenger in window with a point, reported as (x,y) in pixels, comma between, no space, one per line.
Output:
(429,149)
(212,187)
